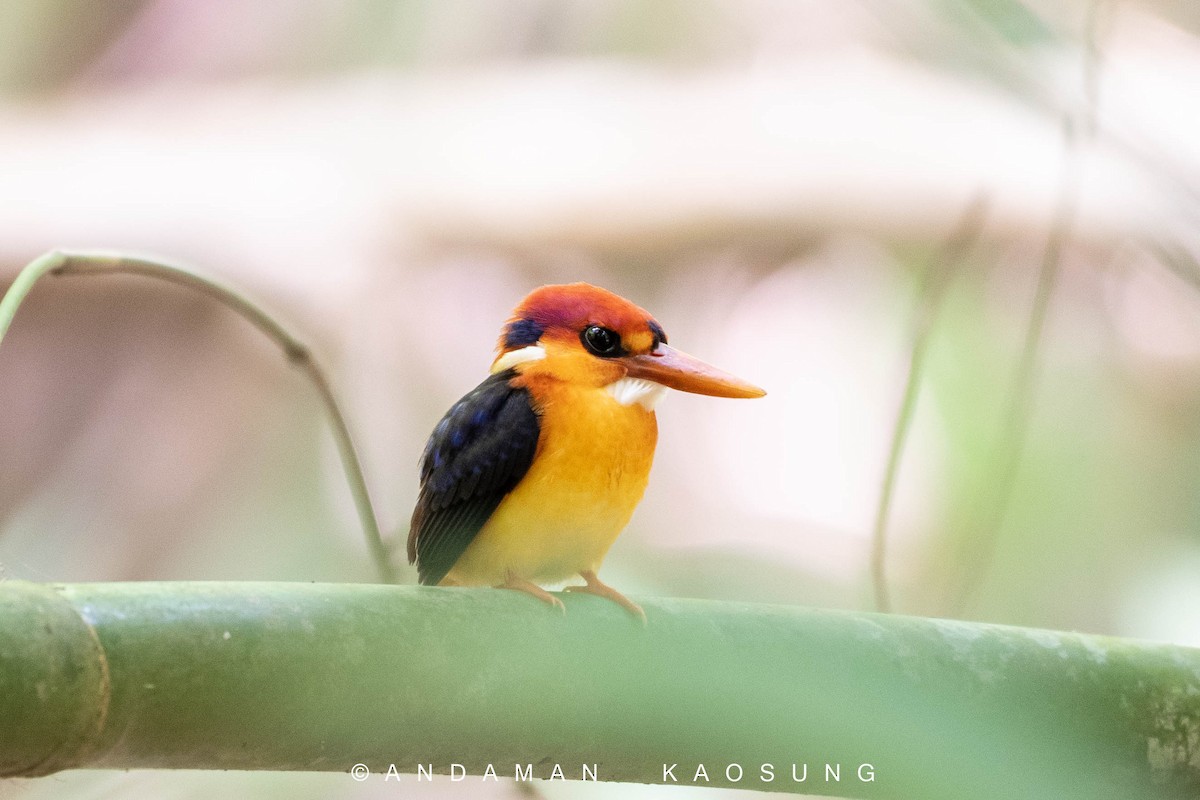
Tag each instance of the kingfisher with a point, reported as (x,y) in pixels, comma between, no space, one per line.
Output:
(530,477)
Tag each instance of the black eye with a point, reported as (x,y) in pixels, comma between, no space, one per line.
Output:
(602,341)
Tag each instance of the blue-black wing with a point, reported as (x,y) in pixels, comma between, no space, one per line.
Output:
(477,454)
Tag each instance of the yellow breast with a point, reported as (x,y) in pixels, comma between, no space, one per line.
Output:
(589,473)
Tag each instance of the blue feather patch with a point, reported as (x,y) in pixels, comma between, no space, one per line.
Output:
(522,333)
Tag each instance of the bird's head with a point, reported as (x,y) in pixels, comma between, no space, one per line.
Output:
(589,336)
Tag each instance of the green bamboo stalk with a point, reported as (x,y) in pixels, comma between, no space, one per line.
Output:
(258,676)
(296,351)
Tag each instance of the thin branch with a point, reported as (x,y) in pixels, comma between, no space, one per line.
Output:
(936,279)
(20,287)
(297,353)
(1015,425)
(1176,259)
(1097,16)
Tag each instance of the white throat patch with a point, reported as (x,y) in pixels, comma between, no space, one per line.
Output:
(535,352)
(628,391)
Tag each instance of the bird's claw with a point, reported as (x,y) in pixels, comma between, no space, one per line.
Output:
(600,589)
(517,583)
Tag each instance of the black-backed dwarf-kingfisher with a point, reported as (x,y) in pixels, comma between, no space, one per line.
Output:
(531,476)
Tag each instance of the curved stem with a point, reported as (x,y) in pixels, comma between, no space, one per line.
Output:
(937,277)
(25,280)
(298,353)
(1014,427)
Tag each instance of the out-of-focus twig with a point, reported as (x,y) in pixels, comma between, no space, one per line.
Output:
(1176,258)
(1014,428)
(938,273)
(1097,12)
(298,354)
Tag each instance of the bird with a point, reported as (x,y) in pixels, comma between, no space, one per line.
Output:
(530,477)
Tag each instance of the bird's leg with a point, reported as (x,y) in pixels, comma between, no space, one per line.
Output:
(514,581)
(600,589)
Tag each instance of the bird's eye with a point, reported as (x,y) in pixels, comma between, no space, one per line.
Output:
(602,341)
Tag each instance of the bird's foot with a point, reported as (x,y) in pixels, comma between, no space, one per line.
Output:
(600,589)
(514,581)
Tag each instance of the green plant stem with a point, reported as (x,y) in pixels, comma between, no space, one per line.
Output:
(321,677)
(297,353)
(1014,427)
(937,277)
(20,287)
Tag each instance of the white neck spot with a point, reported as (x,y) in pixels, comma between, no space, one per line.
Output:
(534,352)
(628,391)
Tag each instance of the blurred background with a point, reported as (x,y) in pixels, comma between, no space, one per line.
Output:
(819,197)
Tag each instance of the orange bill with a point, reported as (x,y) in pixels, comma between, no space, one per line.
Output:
(675,369)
